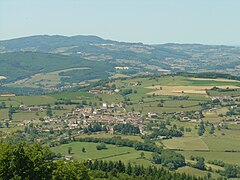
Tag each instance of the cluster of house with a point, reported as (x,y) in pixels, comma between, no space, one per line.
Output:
(104,109)
(81,118)
(104,114)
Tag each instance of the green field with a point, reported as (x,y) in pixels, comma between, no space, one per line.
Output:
(130,137)
(114,153)
(196,172)
(227,157)
(211,147)
(143,99)
(186,143)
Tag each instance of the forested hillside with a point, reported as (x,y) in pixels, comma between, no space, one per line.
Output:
(25,161)
(174,57)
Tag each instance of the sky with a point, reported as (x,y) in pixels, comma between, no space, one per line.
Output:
(147,21)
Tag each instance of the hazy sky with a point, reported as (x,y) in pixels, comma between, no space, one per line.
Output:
(148,21)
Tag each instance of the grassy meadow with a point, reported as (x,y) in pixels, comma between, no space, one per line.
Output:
(114,153)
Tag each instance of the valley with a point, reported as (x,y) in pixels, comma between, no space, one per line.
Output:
(193,117)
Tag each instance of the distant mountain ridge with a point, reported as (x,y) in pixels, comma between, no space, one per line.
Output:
(46,42)
(77,51)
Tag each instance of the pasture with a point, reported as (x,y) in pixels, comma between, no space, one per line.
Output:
(227,157)
(186,143)
(130,137)
(114,153)
(211,147)
(196,172)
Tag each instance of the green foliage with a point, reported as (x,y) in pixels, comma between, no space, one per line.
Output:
(200,163)
(126,92)
(69,150)
(25,161)
(170,159)
(2,105)
(49,111)
(201,129)
(70,171)
(101,146)
(126,129)
(231,171)
(118,170)
(19,65)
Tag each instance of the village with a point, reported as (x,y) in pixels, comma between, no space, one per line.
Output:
(81,118)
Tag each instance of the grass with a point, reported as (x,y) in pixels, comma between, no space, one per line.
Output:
(196,172)
(169,106)
(134,138)
(213,117)
(114,153)
(3,114)
(229,93)
(227,157)
(219,142)
(186,143)
(28,100)
(71,95)
(190,143)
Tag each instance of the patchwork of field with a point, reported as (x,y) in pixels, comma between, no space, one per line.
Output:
(194,88)
(211,147)
(145,98)
(169,106)
(182,90)
(178,81)
(213,116)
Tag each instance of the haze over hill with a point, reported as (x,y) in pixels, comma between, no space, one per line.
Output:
(26,58)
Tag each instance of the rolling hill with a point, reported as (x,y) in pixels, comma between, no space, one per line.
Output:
(25,58)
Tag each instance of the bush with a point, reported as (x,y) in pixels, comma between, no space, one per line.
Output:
(101,146)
